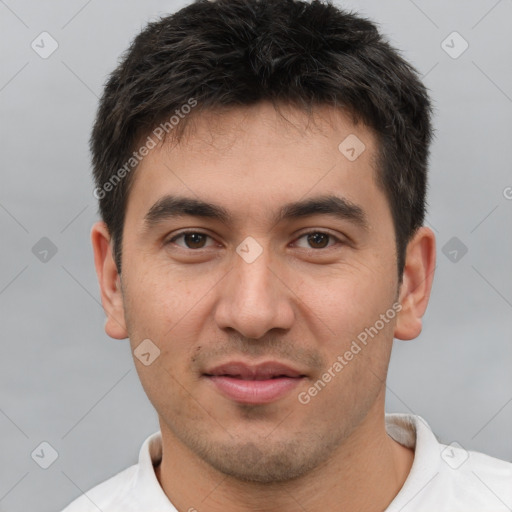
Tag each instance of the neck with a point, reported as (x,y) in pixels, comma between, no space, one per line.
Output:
(365,473)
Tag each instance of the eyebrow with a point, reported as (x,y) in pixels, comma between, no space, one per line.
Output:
(170,206)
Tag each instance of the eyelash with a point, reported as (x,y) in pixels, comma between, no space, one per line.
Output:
(312,232)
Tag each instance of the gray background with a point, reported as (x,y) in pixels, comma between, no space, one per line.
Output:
(63,381)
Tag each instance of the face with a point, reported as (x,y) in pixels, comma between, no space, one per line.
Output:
(259,318)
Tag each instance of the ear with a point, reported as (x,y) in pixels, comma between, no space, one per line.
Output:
(420,262)
(109,281)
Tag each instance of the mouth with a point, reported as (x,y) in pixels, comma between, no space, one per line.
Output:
(254,384)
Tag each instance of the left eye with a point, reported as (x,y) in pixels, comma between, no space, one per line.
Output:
(318,238)
(196,239)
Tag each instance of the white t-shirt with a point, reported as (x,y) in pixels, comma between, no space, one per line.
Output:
(442,478)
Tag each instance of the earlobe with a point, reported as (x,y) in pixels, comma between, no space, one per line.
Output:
(416,285)
(109,281)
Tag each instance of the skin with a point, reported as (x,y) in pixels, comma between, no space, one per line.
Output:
(297,303)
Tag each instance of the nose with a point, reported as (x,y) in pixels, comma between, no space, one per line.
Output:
(255,297)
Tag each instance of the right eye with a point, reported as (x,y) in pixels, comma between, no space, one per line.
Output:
(192,239)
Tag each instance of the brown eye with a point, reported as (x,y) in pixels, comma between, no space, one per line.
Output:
(192,239)
(318,240)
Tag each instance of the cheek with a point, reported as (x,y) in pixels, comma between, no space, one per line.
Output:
(171,396)
(167,318)
(167,309)
(348,299)
(357,358)
(151,311)
(157,295)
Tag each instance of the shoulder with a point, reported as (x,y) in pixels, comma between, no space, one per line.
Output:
(131,490)
(448,477)
(107,496)
(466,481)
(483,478)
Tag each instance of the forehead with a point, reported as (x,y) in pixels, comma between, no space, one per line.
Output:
(253,159)
(272,127)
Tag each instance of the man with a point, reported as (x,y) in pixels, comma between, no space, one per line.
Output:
(261,173)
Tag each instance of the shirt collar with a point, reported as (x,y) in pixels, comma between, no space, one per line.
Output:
(409,430)
(145,483)
(414,432)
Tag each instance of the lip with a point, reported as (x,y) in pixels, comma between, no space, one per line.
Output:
(254,384)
